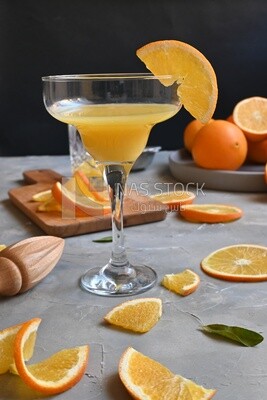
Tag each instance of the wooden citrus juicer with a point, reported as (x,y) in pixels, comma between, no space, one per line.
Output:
(26,263)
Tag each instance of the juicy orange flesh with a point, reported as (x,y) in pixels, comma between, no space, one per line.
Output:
(55,367)
(239,261)
(158,382)
(7,350)
(172,196)
(252,115)
(197,84)
(29,346)
(139,317)
(50,205)
(179,282)
(6,353)
(214,209)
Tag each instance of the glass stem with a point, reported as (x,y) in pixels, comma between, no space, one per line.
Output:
(115,177)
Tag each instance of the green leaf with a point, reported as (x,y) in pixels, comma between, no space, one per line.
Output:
(241,335)
(105,239)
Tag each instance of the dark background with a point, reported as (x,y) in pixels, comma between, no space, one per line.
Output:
(46,37)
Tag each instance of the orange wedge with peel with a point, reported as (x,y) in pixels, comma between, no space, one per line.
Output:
(147,379)
(88,189)
(182,283)
(77,203)
(210,213)
(174,199)
(196,79)
(57,373)
(250,115)
(240,263)
(7,340)
(138,315)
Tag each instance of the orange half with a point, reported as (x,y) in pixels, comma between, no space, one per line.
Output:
(250,115)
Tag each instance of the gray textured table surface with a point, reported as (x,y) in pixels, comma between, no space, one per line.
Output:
(73,317)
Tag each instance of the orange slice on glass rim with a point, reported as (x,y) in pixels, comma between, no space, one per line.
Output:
(240,263)
(210,213)
(182,283)
(195,76)
(174,199)
(147,379)
(250,115)
(57,373)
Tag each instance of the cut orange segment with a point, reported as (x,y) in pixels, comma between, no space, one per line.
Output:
(139,315)
(45,195)
(210,213)
(197,83)
(250,115)
(7,340)
(49,205)
(147,379)
(88,189)
(80,205)
(174,199)
(183,283)
(57,373)
(241,263)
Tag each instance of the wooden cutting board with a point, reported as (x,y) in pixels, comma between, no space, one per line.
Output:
(137,209)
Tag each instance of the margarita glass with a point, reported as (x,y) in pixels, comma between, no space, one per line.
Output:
(114,114)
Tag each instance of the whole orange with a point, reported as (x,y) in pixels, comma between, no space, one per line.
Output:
(257,151)
(230,118)
(220,145)
(190,132)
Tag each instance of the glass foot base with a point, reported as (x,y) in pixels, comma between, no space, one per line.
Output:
(105,282)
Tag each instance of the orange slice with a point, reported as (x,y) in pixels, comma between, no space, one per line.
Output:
(197,83)
(43,196)
(57,373)
(241,263)
(210,213)
(7,339)
(80,205)
(139,315)
(174,199)
(183,283)
(147,379)
(250,115)
(88,189)
(49,205)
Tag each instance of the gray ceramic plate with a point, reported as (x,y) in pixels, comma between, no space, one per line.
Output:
(249,178)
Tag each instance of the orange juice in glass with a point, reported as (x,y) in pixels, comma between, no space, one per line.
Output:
(114,114)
